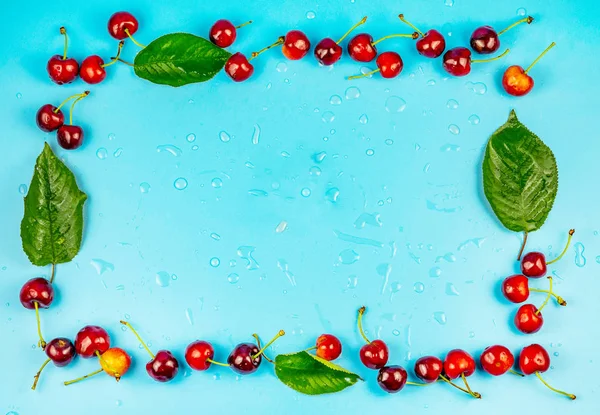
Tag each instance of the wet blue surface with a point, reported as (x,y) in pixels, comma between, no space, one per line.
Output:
(287,202)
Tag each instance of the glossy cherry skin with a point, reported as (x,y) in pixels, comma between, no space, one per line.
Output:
(516,82)
(457,61)
(390,64)
(62,71)
(238,68)
(361,48)
(328,52)
(392,378)
(198,353)
(432,44)
(534,358)
(497,360)
(47,119)
(516,288)
(527,320)
(120,21)
(429,368)
(222,33)
(163,367)
(36,290)
(91,70)
(457,363)
(61,351)
(533,265)
(91,339)
(242,359)
(329,347)
(115,362)
(295,45)
(485,40)
(70,137)
(374,355)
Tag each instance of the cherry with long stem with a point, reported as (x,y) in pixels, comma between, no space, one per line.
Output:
(415,28)
(138,44)
(36,378)
(540,57)
(528,20)
(568,395)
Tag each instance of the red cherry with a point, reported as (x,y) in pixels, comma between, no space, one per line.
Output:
(70,137)
(238,67)
(457,61)
(390,64)
(62,70)
(36,291)
(122,25)
(458,363)
(497,360)
(92,70)
(485,39)
(91,340)
(374,354)
(199,355)
(533,265)
(329,51)
(534,359)
(528,319)
(296,45)
(516,288)
(329,347)
(516,80)
(361,48)
(244,358)
(431,44)
(163,367)
(223,33)
(60,351)
(428,368)
(392,378)
(49,118)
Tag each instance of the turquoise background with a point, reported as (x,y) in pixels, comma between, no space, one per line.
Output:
(432,253)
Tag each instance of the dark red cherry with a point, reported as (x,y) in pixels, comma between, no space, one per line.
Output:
(238,67)
(485,40)
(163,367)
(392,378)
(429,368)
(244,359)
(328,347)
(296,45)
(199,355)
(497,360)
(457,61)
(92,70)
(62,70)
(534,265)
(49,118)
(361,48)
(432,44)
(122,23)
(457,363)
(61,351)
(328,52)
(70,137)
(91,340)
(36,290)
(375,354)
(516,288)
(528,319)
(222,33)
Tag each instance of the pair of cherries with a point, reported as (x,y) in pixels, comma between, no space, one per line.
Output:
(515,289)
(51,118)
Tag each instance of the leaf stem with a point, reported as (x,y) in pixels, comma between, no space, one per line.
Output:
(568,395)
(125,323)
(525,233)
(70,382)
(401,17)
(42,342)
(52,273)
(362,21)
(138,44)
(571,232)
(116,58)
(527,20)
(36,378)
(361,311)
(540,57)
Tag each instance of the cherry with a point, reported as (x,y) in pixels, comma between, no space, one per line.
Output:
(516,81)
(163,366)
(528,319)
(49,118)
(392,378)
(457,61)
(35,294)
(497,360)
(122,25)
(60,351)
(92,341)
(92,68)
(295,45)
(485,39)
(239,68)
(534,359)
(429,368)
(389,64)
(70,136)
(63,70)
(245,358)
(431,44)
(199,355)
(115,362)
(223,33)
(459,363)
(516,289)
(374,354)
(362,48)
(329,51)
(328,347)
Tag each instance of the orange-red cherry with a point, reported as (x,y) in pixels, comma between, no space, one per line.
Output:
(328,347)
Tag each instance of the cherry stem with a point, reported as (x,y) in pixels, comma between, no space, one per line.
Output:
(364,75)
(258,344)
(571,232)
(70,382)
(561,301)
(362,21)
(266,346)
(123,61)
(117,375)
(473,394)
(568,395)
(503,54)
(244,24)
(125,323)
(443,378)
(138,44)
(514,372)
(42,342)
(527,20)
(361,311)
(547,298)
(62,104)
(73,106)
(401,17)
(412,35)
(63,31)
(310,349)
(279,41)
(540,57)
(418,384)
(523,245)
(116,58)
(214,362)
(36,378)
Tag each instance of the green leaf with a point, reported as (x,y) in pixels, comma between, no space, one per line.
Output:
(520,176)
(179,59)
(312,375)
(52,226)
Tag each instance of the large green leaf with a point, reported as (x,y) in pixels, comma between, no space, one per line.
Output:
(312,375)
(52,226)
(520,176)
(179,59)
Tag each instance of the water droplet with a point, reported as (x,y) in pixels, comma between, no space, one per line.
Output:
(285,268)
(245,253)
(216,183)
(348,256)
(395,287)
(217,376)
(332,194)
(370,152)
(224,136)
(285,154)
(101,266)
(101,153)
(111,136)
(233,278)
(191,137)
(435,272)
(384,270)
(258,193)
(580,259)
(395,104)
(118,152)
(180,183)
(449,3)
(305,192)
(440,317)
(249,165)
(352,93)
(453,128)
(311,15)
(314,171)
(169,148)
(215,236)
(328,116)
(521,11)
(389,141)
(352,282)
(335,100)
(194,148)
(451,289)
(431,82)
(363,119)
(474,119)
(144,187)
(215,262)
(163,279)
(452,104)
(281,67)
(256,134)
(450,147)
(477,87)
(426,167)
(419,287)
(319,157)
(19,95)
(281,227)
(23,189)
